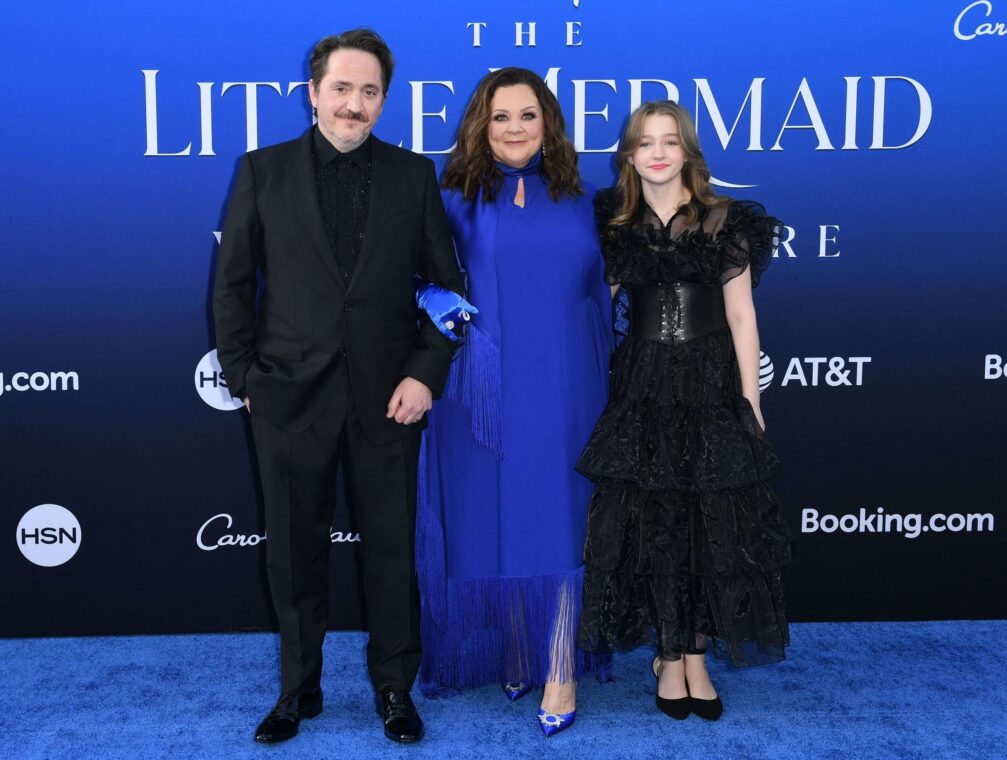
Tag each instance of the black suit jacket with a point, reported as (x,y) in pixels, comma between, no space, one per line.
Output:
(283,352)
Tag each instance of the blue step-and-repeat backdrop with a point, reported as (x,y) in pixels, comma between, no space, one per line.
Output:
(874,130)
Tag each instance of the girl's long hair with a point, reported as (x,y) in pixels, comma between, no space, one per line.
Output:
(695,172)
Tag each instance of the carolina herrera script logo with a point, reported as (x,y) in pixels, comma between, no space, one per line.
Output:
(206,541)
(964,29)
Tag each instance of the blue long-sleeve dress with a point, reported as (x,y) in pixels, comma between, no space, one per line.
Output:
(502,511)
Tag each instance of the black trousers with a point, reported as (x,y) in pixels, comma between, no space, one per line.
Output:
(298,472)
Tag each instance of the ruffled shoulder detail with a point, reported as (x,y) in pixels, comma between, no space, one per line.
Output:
(606,201)
(713,251)
(747,239)
(606,204)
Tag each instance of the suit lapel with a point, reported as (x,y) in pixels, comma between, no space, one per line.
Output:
(379,203)
(301,173)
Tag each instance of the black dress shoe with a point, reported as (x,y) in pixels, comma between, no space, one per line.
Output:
(402,722)
(281,724)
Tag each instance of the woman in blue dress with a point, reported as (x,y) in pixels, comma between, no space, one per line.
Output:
(502,510)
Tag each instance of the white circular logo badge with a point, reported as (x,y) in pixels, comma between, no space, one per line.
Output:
(765,371)
(211,386)
(48,535)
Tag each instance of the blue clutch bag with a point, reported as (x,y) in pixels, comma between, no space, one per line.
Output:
(447,309)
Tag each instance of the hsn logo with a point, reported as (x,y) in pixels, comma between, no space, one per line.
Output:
(48,535)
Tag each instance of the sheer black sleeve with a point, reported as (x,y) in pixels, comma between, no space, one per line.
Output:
(747,240)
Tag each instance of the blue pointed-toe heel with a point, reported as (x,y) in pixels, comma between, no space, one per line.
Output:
(553,723)
(515,689)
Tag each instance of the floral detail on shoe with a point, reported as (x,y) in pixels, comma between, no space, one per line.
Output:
(553,723)
(516,689)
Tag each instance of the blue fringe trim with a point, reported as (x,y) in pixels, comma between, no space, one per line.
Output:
(497,629)
(489,630)
(474,382)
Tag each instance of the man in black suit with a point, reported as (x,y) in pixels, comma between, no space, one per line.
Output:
(333,364)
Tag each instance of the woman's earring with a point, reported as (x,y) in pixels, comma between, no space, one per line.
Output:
(543,150)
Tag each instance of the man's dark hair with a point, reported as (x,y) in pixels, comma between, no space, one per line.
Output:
(366,40)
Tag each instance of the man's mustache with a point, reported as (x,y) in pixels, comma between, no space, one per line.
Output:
(353,115)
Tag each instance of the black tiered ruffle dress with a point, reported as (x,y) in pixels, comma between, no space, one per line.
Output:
(684,538)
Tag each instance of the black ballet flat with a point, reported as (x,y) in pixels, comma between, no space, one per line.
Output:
(673,708)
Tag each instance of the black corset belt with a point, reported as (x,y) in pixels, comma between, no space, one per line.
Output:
(676,312)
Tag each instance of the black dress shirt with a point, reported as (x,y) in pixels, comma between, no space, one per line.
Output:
(344,185)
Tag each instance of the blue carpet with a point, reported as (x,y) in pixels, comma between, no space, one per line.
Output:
(851,690)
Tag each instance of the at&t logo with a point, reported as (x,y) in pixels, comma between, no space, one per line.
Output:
(815,371)
(765,371)
(211,386)
(48,535)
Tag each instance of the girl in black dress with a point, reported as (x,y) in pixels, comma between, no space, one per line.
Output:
(685,539)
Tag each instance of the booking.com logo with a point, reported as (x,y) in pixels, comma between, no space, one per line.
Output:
(21,382)
(910,525)
(995,369)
